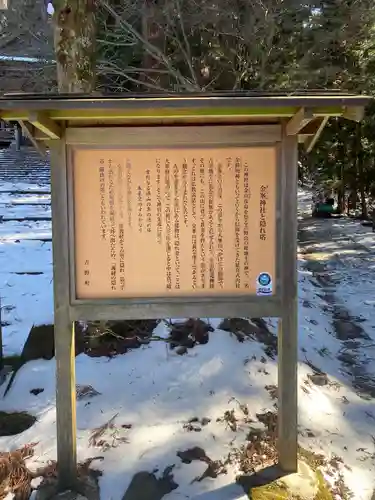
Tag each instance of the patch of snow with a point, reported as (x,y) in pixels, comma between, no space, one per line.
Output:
(36,482)
(304,202)
(154,392)
(20,187)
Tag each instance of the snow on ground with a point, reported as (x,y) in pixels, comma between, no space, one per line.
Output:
(154,392)
(357,232)
(25,261)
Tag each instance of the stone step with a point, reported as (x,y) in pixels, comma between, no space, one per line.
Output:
(25,166)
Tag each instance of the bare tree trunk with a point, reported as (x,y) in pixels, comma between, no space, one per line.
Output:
(74,39)
(74,42)
(352,201)
(342,191)
(152,33)
(361,180)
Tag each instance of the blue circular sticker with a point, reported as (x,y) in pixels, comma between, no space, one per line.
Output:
(264,279)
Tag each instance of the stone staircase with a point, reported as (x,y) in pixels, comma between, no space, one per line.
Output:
(23,167)
(25,211)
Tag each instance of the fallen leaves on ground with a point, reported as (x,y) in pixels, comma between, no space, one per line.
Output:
(15,477)
(108,435)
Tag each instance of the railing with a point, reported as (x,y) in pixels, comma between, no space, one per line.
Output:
(6,135)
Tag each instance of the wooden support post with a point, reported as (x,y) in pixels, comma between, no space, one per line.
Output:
(65,402)
(354,113)
(17,136)
(311,141)
(288,324)
(311,129)
(45,124)
(64,329)
(28,131)
(299,121)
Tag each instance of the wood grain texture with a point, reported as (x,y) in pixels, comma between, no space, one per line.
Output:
(288,324)
(64,328)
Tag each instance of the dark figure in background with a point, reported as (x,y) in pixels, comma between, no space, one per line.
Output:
(324,209)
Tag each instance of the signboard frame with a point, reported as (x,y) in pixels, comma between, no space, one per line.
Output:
(284,306)
(166,137)
(64,121)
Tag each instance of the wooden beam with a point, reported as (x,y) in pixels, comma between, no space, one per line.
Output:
(287,339)
(45,124)
(29,131)
(64,328)
(299,121)
(311,141)
(309,130)
(41,136)
(236,135)
(131,116)
(354,113)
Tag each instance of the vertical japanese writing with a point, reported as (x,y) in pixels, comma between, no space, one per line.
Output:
(121,238)
(121,229)
(202,209)
(168,224)
(185,217)
(120,189)
(148,201)
(262,212)
(194,222)
(246,200)
(220,243)
(112,239)
(129,191)
(140,208)
(237,224)
(211,223)
(176,226)
(103,209)
(185,195)
(159,223)
(229,165)
(86,272)
(173,222)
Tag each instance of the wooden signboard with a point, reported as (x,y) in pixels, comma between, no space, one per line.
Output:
(174,222)
(175,206)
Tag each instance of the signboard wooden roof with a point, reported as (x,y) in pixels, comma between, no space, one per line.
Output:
(307,112)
